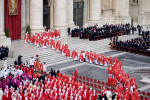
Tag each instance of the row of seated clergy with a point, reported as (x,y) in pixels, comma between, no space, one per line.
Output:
(107,30)
(137,44)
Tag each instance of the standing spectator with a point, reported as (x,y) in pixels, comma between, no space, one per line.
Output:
(32,62)
(6,51)
(133,29)
(19,60)
(15,62)
(139,29)
(26,63)
(1,54)
(68,30)
(5,63)
(44,67)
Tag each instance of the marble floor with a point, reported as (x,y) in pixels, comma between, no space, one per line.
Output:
(131,62)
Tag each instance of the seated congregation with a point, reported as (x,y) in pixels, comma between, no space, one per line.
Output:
(107,31)
(138,45)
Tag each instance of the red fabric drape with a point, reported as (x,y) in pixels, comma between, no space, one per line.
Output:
(13,23)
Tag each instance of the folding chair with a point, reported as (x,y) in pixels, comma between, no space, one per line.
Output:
(148,94)
(77,76)
(96,91)
(95,85)
(91,80)
(83,82)
(80,81)
(141,97)
(95,81)
(91,85)
(111,90)
(139,91)
(143,92)
(84,78)
(99,87)
(103,83)
(80,77)
(87,83)
(145,98)
(99,82)
(88,79)
(99,92)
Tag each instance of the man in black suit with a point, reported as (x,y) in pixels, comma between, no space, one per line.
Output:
(58,71)
(105,97)
(0,54)
(68,30)
(139,29)
(6,51)
(100,97)
(15,62)
(10,83)
(133,29)
(19,60)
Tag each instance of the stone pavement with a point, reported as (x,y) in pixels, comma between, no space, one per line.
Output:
(131,62)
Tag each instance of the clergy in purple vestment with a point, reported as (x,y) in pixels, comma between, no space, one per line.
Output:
(7,82)
(28,77)
(10,77)
(24,78)
(3,80)
(7,77)
(10,84)
(20,80)
(18,83)
(3,86)
(13,81)
(24,74)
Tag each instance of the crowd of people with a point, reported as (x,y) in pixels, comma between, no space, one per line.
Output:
(106,30)
(23,83)
(3,52)
(125,87)
(137,45)
(83,56)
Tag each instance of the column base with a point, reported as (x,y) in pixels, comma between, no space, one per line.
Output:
(108,20)
(60,27)
(2,35)
(5,41)
(37,29)
(72,26)
(123,20)
(23,32)
(92,23)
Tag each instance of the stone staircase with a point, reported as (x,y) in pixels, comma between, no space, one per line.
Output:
(51,57)
(100,46)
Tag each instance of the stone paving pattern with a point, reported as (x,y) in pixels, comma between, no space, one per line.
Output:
(131,62)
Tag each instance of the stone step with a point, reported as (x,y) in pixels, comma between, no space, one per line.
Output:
(51,56)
